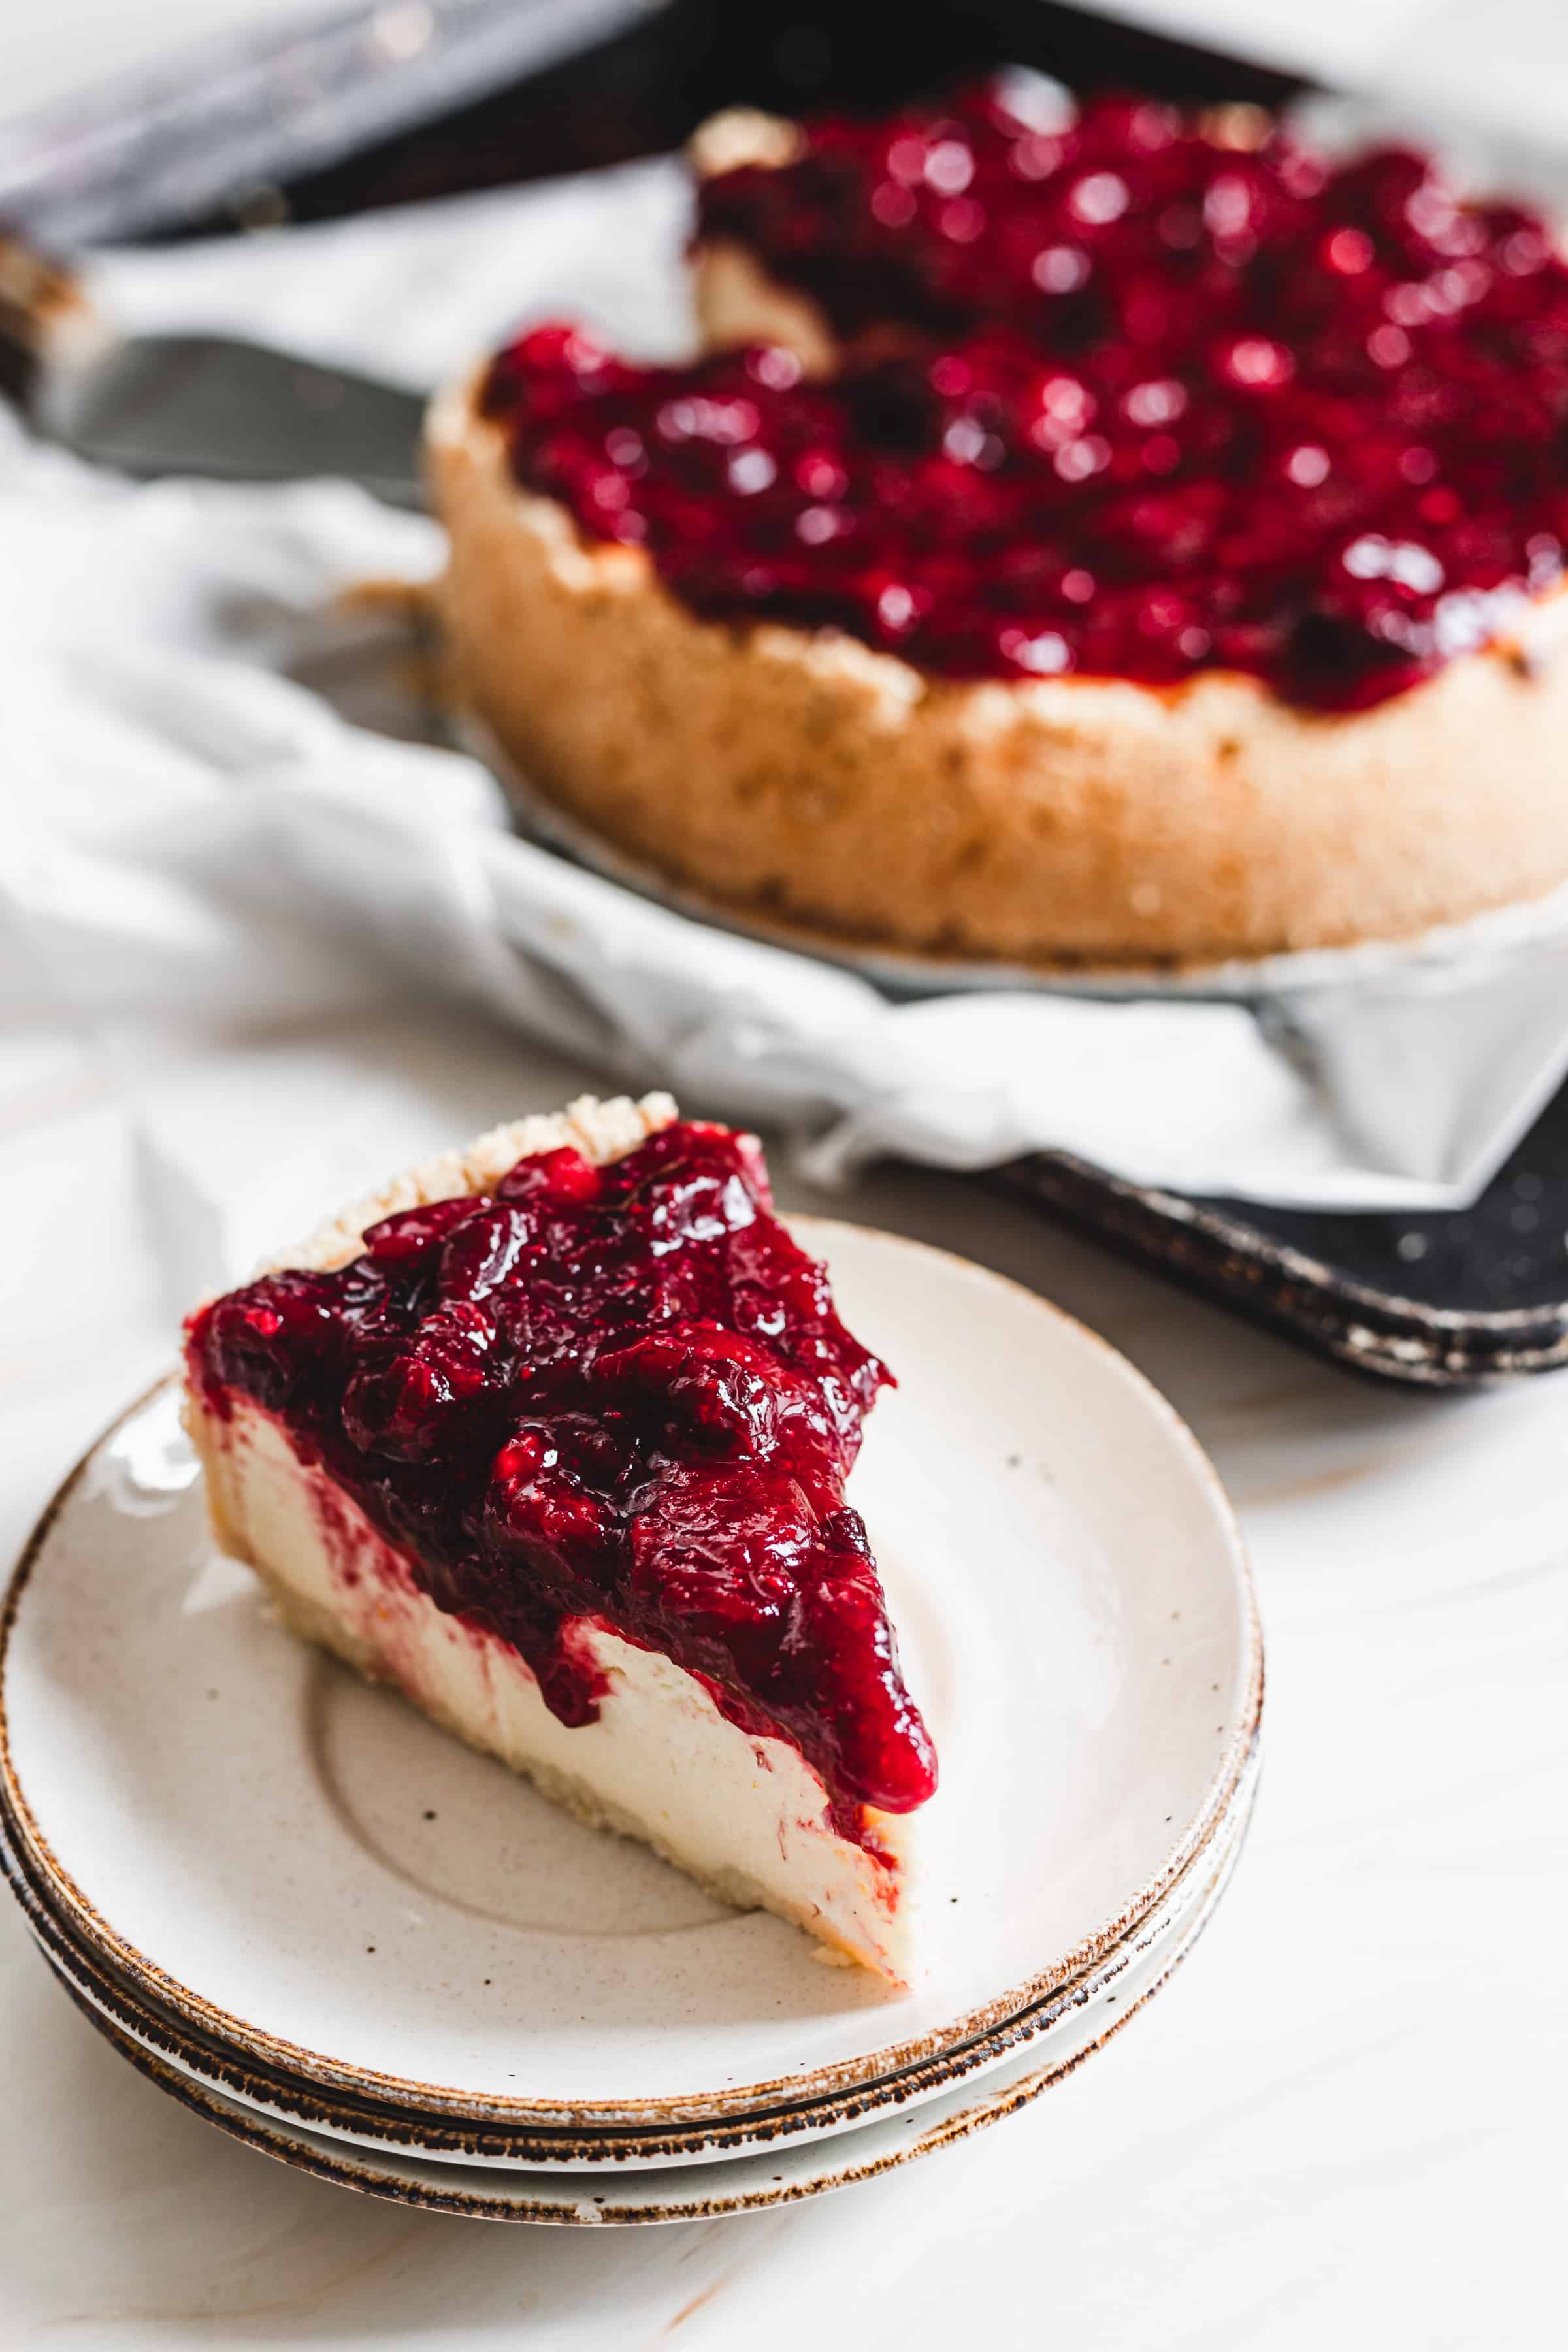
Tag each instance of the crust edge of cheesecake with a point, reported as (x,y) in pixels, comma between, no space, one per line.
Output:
(601,1130)
(336,1583)
(736,300)
(807,778)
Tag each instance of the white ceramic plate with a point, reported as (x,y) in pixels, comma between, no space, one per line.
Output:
(1165,1930)
(779,2176)
(297,1863)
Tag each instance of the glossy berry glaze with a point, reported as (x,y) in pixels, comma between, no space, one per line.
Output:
(1122,401)
(617,1393)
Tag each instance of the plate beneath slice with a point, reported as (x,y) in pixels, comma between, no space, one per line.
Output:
(776,2176)
(304,1869)
(1164,1930)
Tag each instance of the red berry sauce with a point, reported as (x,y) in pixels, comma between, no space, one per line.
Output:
(1122,401)
(617,1393)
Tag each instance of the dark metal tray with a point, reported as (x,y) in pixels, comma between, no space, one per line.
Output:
(1453,1300)
(1436,1301)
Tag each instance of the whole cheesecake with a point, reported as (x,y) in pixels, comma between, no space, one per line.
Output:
(1112,539)
(552,1435)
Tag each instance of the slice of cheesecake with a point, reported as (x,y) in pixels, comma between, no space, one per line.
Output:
(553,1434)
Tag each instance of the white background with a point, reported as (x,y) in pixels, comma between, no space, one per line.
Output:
(1340,2125)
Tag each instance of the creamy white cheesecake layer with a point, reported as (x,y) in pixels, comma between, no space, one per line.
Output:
(745,1815)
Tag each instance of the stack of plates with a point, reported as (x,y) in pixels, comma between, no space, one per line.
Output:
(307,1914)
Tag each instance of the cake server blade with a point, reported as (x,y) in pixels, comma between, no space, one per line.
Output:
(233,410)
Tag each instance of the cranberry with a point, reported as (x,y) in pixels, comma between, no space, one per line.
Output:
(735,1546)
(618,1393)
(538,1505)
(273,1336)
(710,1388)
(561,1179)
(481,1251)
(413,1234)
(403,1408)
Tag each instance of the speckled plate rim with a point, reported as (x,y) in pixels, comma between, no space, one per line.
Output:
(812,2170)
(1170,1933)
(379,2127)
(844,2075)
(1502,931)
(276,2095)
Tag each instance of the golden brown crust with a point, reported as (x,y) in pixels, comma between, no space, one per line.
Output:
(742,135)
(807,778)
(736,301)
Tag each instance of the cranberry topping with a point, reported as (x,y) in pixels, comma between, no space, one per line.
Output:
(620,1393)
(1154,404)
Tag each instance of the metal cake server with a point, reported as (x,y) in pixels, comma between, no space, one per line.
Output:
(207,405)
(210,406)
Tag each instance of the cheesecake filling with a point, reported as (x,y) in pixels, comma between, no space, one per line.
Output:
(605,1402)
(741,1812)
(1120,398)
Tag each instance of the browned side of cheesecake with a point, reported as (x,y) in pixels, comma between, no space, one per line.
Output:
(807,778)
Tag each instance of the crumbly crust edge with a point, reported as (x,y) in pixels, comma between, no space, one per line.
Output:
(738,137)
(601,1131)
(736,299)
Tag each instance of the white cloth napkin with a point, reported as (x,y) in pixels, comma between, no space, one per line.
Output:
(200,847)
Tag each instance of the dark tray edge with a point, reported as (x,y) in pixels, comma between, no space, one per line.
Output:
(1233,1265)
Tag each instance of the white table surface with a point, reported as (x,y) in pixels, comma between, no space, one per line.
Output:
(1341,2124)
